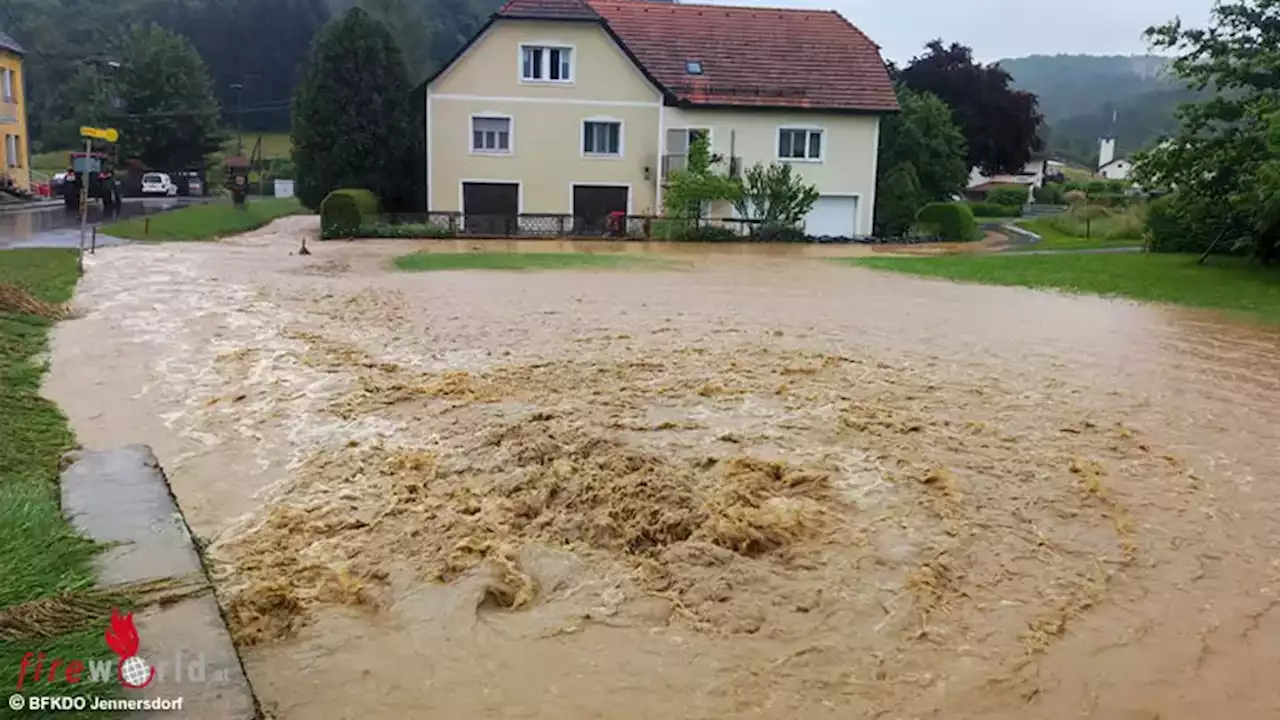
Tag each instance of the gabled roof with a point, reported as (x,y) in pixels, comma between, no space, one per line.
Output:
(749,57)
(547,10)
(755,57)
(8,43)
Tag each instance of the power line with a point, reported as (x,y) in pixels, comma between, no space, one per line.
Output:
(268,107)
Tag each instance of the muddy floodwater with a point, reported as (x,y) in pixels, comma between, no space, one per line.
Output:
(749,483)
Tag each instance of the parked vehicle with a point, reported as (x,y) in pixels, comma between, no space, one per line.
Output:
(94,171)
(154,183)
(189,183)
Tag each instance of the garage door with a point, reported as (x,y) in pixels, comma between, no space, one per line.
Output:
(592,205)
(833,217)
(490,208)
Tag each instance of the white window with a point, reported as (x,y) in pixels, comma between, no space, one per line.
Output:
(12,150)
(602,137)
(8,85)
(799,144)
(491,135)
(540,63)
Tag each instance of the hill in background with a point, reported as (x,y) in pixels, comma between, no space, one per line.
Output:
(1084,97)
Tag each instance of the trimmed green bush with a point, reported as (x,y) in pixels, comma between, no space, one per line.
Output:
(987,209)
(1012,197)
(343,212)
(952,222)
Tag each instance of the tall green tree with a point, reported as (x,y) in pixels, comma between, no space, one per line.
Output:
(926,137)
(166,111)
(352,117)
(1000,123)
(1224,160)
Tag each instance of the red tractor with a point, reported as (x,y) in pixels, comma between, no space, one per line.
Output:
(96,170)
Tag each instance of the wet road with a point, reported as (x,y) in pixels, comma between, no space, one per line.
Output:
(1043,505)
(58,227)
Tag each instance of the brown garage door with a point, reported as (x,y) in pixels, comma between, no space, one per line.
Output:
(592,205)
(490,208)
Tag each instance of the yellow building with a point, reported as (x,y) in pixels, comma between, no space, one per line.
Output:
(14,152)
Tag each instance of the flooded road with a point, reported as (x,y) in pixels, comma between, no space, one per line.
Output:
(59,227)
(753,485)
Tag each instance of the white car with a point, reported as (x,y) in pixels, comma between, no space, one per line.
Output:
(158,184)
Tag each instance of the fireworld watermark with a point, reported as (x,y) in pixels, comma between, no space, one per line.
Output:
(38,672)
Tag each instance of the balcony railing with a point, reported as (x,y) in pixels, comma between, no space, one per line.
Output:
(676,163)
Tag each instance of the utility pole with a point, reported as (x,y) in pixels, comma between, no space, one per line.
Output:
(239,88)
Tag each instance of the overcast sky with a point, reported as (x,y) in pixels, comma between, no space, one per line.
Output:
(1006,28)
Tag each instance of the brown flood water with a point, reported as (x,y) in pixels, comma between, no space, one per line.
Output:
(758,485)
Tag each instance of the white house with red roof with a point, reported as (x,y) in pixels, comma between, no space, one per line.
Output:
(582,107)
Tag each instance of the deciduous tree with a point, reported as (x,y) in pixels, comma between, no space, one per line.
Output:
(1000,124)
(925,136)
(1224,158)
(167,112)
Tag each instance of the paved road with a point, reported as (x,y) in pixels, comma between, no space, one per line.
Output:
(56,227)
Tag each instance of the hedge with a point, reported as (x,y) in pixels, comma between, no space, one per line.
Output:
(343,212)
(989,209)
(1015,197)
(949,221)
(404,230)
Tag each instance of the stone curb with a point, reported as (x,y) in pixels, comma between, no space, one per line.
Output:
(121,498)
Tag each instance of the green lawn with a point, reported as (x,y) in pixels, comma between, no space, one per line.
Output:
(40,554)
(1054,239)
(1223,283)
(423,262)
(204,222)
(274,145)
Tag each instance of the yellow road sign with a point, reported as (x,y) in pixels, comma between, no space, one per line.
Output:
(108,134)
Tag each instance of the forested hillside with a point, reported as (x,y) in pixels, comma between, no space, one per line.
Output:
(257,44)
(1084,97)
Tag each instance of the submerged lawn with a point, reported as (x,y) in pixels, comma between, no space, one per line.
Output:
(423,262)
(40,554)
(204,222)
(1222,283)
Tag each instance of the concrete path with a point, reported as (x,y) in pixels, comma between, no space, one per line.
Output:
(121,498)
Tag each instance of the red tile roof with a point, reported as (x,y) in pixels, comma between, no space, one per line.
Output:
(548,10)
(758,57)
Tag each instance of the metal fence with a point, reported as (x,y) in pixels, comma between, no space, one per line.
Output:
(617,226)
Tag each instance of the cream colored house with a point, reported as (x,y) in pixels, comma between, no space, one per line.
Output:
(582,107)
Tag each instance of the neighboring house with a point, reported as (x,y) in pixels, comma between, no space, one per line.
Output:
(13,116)
(1110,166)
(1118,169)
(581,108)
(1031,176)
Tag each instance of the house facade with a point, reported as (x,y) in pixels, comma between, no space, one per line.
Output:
(13,116)
(583,108)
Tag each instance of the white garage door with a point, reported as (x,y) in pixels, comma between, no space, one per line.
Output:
(833,216)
